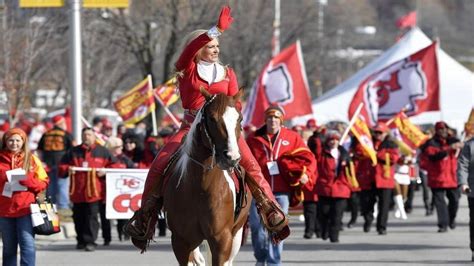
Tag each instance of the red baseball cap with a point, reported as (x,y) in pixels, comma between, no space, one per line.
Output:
(380,127)
(441,125)
(57,119)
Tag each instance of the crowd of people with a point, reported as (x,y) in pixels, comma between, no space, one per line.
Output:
(308,165)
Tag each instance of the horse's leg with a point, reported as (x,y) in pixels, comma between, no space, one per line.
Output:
(221,246)
(236,243)
(181,249)
(196,257)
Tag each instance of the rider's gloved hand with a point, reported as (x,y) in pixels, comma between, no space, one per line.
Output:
(225,19)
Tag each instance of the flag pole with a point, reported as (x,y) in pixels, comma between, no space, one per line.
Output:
(351,123)
(153,113)
(101,139)
(276,30)
(167,110)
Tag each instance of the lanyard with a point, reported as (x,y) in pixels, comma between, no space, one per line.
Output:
(271,156)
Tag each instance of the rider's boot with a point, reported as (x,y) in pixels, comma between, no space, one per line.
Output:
(273,217)
(141,227)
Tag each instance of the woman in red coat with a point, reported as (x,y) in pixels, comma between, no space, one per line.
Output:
(15,220)
(198,67)
(332,186)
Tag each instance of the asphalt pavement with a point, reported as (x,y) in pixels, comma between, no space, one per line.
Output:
(409,242)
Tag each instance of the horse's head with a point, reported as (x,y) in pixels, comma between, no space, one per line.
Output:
(221,123)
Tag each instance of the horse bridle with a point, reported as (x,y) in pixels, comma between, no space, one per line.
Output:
(213,147)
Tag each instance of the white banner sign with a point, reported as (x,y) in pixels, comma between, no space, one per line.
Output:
(124,192)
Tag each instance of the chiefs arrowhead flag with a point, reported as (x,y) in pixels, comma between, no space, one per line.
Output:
(361,131)
(137,103)
(407,21)
(282,82)
(167,92)
(411,84)
(407,135)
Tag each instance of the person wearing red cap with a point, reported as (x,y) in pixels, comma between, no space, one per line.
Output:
(272,145)
(310,203)
(51,148)
(333,187)
(15,220)
(311,124)
(377,182)
(198,67)
(440,152)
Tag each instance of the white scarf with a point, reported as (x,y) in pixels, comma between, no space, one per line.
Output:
(335,153)
(210,72)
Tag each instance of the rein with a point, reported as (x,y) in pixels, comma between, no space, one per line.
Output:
(213,149)
(206,168)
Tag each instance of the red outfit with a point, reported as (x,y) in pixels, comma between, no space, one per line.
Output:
(193,100)
(315,145)
(382,175)
(19,204)
(86,186)
(440,162)
(284,142)
(332,179)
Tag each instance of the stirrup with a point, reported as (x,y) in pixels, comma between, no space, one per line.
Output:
(280,235)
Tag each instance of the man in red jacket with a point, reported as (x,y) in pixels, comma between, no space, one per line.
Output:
(377,182)
(441,162)
(270,144)
(86,190)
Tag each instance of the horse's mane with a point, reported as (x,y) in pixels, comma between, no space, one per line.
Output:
(219,105)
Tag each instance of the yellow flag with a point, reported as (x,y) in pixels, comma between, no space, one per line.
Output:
(361,131)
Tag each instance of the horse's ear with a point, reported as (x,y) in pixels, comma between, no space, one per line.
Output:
(239,94)
(205,93)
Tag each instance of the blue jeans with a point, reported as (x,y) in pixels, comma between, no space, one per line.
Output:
(263,248)
(58,189)
(18,231)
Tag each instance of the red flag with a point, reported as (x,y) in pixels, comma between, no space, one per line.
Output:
(407,21)
(282,82)
(67,116)
(411,84)
(137,103)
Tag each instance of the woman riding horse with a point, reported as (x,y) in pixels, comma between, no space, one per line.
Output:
(199,66)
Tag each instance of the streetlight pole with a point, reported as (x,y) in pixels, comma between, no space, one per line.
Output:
(76,69)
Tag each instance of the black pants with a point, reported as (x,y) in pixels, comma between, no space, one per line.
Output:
(105,224)
(470,201)
(368,198)
(427,200)
(330,211)
(353,203)
(311,223)
(410,196)
(86,221)
(446,213)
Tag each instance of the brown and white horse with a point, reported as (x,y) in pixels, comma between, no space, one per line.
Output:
(200,196)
